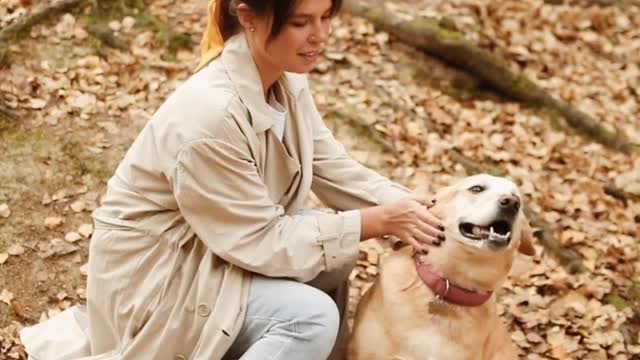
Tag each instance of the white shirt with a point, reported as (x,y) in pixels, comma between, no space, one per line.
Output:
(279,116)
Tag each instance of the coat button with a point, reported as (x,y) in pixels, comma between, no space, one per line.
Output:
(203,310)
(180,357)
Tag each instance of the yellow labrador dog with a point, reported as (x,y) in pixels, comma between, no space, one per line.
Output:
(442,306)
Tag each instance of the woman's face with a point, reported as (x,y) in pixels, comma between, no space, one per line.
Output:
(300,43)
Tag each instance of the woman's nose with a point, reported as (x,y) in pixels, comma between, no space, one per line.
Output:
(320,32)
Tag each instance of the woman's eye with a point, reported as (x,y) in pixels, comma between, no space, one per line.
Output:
(476,189)
(298,23)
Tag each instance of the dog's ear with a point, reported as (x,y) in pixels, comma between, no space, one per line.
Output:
(526,237)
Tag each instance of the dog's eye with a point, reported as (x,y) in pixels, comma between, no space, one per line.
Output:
(476,189)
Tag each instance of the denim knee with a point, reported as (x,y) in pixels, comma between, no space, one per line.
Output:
(319,320)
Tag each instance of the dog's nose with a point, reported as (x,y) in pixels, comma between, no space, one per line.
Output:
(509,202)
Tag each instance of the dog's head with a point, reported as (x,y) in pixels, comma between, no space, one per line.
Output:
(484,212)
(485,227)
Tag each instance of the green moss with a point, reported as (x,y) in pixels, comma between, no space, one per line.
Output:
(617,301)
(635,291)
(448,36)
(165,35)
(6,124)
(5,56)
(464,87)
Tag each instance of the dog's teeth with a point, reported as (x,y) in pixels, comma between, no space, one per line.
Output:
(476,230)
(507,234)
(491,233)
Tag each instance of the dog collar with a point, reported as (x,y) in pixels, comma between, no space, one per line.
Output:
(444,290)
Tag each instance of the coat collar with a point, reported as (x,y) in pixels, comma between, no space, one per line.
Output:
(242,70)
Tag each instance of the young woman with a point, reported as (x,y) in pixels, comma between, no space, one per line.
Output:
(201,247)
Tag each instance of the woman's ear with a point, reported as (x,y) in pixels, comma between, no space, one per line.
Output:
(246,17)
(526,237)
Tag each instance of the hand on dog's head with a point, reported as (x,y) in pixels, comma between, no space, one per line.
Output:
(483,212)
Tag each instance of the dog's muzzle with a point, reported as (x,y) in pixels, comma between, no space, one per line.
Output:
(509,205)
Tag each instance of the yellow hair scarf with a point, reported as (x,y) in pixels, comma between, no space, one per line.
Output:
(212,42)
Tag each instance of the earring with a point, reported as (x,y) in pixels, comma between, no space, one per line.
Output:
(252,29)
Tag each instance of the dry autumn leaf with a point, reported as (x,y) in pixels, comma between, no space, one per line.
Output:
(585,55)
(53,222)
(15,250)
(78,206)
(86,230)
(72,237)
(5,212)
(6,296)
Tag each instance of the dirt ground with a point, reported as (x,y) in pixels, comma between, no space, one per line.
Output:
(75,106)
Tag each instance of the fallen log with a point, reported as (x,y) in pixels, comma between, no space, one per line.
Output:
(102,9)
(27,22)
(452,47)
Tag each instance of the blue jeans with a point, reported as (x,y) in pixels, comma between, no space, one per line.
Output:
(290,320)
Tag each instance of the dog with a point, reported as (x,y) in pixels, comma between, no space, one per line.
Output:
(442,305)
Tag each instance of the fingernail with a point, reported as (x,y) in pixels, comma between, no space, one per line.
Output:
(436,242)
(441,237)
(441,227)
(425,251)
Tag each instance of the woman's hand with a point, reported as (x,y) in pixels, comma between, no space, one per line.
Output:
(408,219)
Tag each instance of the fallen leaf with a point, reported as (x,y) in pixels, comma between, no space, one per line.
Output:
(84,269)
(86,230)
(56,247)
(72,237)
(6,296)
(5,212)
(37,104)
(20,310)
(46,199)
(15,250)
(61,295)
(78,206)
(60,195)
(53,222)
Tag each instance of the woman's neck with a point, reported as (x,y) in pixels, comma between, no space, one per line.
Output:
(268,76)
(269,73)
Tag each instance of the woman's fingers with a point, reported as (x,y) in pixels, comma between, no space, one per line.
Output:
(423,200)
(417,245)
(427,217)
(426,238)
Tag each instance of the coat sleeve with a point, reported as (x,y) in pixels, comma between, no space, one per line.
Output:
(222,196)
(340,181)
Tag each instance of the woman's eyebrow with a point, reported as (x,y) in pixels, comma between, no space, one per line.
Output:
(306,15)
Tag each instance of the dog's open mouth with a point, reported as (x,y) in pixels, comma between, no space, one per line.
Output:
(499,230)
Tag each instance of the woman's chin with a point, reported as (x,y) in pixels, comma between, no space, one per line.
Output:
(302,68)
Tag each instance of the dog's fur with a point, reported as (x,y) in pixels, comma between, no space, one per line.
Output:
(398,318)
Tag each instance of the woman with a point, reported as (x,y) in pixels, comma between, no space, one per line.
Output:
(201,249)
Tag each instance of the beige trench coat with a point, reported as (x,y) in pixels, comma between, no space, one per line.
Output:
(205,196)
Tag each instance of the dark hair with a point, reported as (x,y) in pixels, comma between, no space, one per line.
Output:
(280,11)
